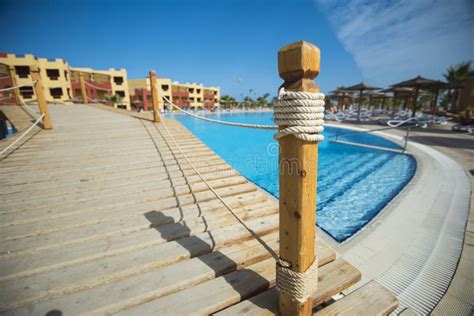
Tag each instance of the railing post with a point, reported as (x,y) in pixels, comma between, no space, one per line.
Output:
(298,65)
(406,139)
(154,96)
(16,91)
(85,99)
(42,105)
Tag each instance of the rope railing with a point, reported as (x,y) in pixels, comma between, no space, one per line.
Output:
(220,198)
(22,135)
(295,113)
(18,86)
(257,126)
(96,87)
(27,108)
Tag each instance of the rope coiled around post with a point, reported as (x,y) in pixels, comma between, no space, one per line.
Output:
(298,285)
(300,114)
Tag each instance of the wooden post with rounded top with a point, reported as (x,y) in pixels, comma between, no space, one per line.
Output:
(85,99)
(42,105)
(298,65)
(16,91)
(154,97)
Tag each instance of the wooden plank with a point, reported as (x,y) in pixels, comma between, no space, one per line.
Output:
(93,249)
(95,174)
(29,223)
(194,183)
(168,197)
(333,278)
(85,187)
(217,294)
(117,221)
(44,286)
(371,299)
(144,287)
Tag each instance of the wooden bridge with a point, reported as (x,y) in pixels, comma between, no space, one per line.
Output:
(103,215)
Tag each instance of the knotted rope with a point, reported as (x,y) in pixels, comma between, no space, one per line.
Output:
(300,114)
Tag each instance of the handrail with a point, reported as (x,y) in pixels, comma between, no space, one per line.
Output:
(392,125)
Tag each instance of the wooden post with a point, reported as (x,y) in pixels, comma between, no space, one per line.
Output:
(16,91)
(360,105)
(298,65)
(415,101)
(85,99)
(154,97)
(42,105)
(435,103)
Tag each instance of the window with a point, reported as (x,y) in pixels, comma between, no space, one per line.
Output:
(191,90)
(26,92)
(199,99)
(65,74)
(165,87)
(56,93)
(22,71)
(198,90)
(118,80)
(53,74)
(120,93)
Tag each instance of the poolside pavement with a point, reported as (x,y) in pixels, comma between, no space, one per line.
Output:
(414,246)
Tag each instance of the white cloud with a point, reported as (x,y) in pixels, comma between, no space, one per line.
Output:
(395,40)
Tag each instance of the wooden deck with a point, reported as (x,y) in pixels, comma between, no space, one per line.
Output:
(103,215)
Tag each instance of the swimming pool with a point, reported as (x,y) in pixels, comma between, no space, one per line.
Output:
(354,183)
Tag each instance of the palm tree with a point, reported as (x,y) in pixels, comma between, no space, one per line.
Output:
(228,101)
(249,102)
(457,75)
(262,101)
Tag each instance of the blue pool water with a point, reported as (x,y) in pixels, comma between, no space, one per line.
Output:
(354,183)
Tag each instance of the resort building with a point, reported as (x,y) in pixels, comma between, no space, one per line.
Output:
(101,84)
(61,84)
(54,74)
(185,95)
(60,81)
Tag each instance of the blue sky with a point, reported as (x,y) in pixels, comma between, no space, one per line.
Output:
(234,44)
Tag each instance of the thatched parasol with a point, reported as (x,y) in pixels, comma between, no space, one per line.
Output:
(418,83)
(361,87)
(340,94)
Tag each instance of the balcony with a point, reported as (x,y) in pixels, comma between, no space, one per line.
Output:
(177,93)
(209,96)
(181,103)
